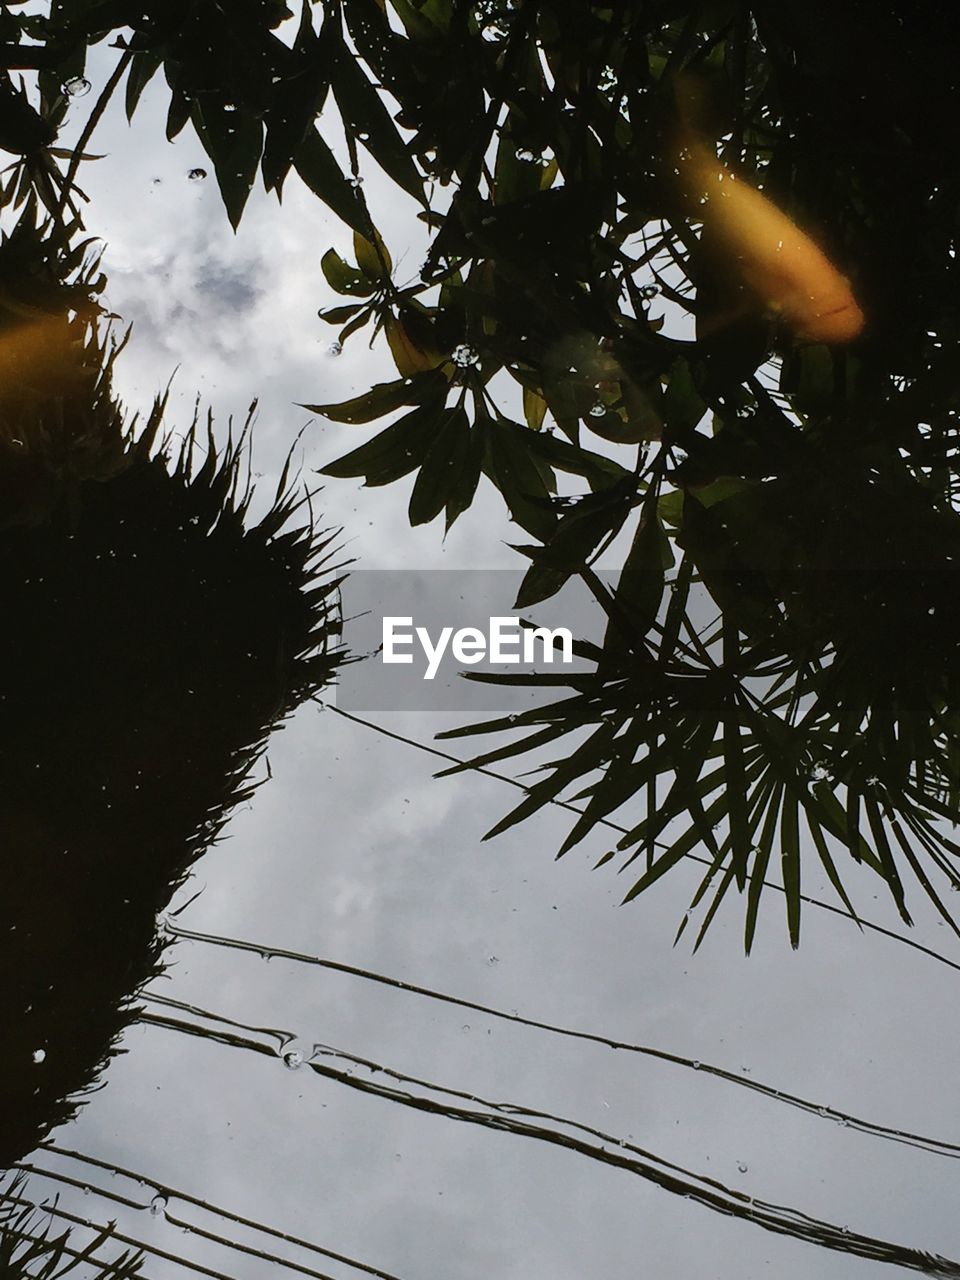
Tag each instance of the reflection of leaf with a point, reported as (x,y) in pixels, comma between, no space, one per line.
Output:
(315,163)
(381,399)
(518,479)
(576,536)
(409,337)
(233,139)
(143,67)
(373,257)
(296,100)
(464,487)
(393,452)
(442,468)
(534,409)
(682,406)
(597,470)
(343,278)
(640,585)
(365,116)
(339,315)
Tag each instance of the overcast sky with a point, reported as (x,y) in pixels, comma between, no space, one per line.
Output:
(353,852)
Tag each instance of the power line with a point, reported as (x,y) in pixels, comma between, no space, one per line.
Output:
(594,1144)
(858,920)
(56,1212)
(170,1193)
(60,1247)
(174,1193)
(935,1146)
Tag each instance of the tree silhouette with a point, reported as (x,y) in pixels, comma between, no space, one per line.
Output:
(154,636)
(806,485)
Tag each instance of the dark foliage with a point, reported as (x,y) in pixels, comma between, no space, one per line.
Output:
(809,488)
(154,636)
(30,1251)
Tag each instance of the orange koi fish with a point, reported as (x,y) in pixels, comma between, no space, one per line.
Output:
(775,259)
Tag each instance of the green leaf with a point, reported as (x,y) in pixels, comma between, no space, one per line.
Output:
(315,163)
(514,178)
(233,139)
(143,67)
(441,467)
(373,257)
(296,101)
(464,487)
(725,883)
(365,117)
(393,452)
(339,315)
(589,755)
(682,406)
(383,398)
(889,867)
(679,849)
(670,508)
(598,471)
(816,831)
(178,113)
(343,278)
(771,798)
(575,538)
(790,863)
(534,409)
(518,479)
(641,581)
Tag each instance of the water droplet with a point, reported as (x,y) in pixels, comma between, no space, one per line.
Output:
(819,773)
(158,1206)
(356,180)
(598,410)
(335,349)
(648,292)
(493,32)
(76,87)
(464,356)
(39,1055)
(293,1059)
(491,960)
(229,106)
(197,175)
(466,1027)
(742,1167)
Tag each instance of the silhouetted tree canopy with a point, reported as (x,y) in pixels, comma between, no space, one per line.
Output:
(806,489)
(154,635)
